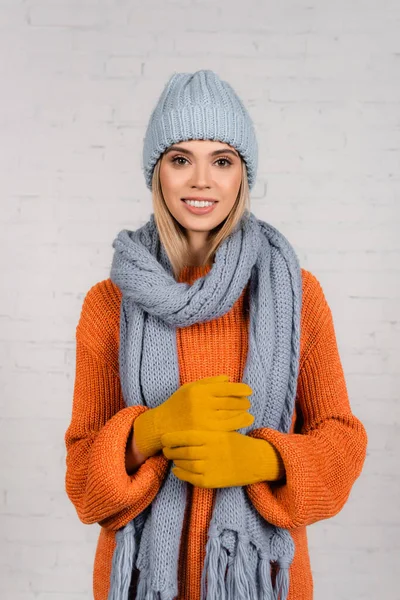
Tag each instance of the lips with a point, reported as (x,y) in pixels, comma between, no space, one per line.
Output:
(199,210)
(200,199)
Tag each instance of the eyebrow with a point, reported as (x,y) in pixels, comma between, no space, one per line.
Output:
(214,153)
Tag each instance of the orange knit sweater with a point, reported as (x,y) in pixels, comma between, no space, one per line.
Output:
(323,453)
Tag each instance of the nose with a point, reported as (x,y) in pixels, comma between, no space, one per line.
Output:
(201,176)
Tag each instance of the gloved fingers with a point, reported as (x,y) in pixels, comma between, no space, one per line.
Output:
(229,403)
(193,478)
(185,452)
(192,466)
(234,423)
(230,389)
(191,437)
(228,414)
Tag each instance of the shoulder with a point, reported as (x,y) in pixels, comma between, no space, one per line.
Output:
(98,325)
(315,311)
(313,294)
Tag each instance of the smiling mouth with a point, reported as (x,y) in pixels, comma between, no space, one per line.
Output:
(188,200)
(199,207)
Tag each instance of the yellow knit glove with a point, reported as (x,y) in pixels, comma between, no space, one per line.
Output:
(217,459)
(210,403)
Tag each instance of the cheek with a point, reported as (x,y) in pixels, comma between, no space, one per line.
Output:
(231,182)
(171,181)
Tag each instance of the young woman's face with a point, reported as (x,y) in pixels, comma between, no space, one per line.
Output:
(205,169)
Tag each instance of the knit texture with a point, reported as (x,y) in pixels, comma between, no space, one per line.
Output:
(321,464)
(199,106)
(241,543)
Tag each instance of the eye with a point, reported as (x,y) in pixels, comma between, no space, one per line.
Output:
(176,158)
(226,160)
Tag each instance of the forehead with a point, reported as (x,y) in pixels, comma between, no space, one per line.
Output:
(201,147)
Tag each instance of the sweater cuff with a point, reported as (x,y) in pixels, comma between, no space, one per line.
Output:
(109,487)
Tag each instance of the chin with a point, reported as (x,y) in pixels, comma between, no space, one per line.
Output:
(202,223)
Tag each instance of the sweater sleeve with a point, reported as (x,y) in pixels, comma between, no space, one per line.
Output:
(96,479)
(325,458)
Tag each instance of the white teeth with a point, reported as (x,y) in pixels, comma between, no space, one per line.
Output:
(198,204)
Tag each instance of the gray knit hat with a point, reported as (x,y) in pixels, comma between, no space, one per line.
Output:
(199,106)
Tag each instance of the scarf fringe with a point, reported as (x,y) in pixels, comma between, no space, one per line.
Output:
(213,552)
(245,583)
(145,592)
(265,579)
(122,563)
(225,581)
(222,567)
(282,584)
(232,580)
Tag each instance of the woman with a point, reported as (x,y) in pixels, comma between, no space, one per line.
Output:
(211,422)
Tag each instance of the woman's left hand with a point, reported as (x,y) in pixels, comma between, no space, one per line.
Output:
(217,459)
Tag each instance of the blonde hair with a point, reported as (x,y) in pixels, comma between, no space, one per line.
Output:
(172,233)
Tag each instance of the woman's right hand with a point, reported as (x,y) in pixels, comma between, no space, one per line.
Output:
(211,403)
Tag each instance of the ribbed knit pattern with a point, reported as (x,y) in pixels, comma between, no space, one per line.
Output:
(321,464)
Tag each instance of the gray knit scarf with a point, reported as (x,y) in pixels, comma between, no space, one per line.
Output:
(241,544)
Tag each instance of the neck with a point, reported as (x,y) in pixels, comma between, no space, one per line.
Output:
(197,250)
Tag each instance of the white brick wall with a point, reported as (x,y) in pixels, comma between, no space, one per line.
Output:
(78,79)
